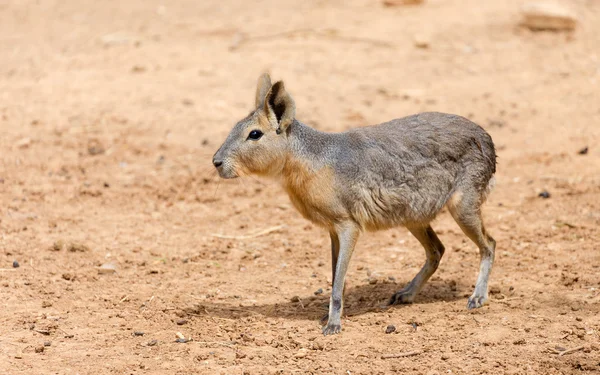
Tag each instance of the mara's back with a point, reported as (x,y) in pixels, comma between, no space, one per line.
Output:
(405,171)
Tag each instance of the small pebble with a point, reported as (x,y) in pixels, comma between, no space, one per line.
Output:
(303,352)
(47,343)
(181,322)
(39,349)
(583,151)
(138,333)
(319,291)
(544,194)
(15,264)
(390,329)
(107,269)
(46,304)
(153,343)
(179,335)
(295,299)
(182,341)
(77,247)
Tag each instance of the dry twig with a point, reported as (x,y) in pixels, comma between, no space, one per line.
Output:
(253,235)
(568,351)
(331,34)
(402,355)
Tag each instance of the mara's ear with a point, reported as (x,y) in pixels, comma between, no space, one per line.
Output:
(262,87)
(280,105)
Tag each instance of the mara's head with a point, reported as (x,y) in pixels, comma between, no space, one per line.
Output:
(258,144)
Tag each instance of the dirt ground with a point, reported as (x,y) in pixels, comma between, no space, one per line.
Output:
(110,112)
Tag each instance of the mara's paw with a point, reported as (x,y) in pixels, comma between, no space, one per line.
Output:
(402,297)
(332,329)
(476,302)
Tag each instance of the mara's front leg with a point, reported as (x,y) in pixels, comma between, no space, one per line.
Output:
(347,234)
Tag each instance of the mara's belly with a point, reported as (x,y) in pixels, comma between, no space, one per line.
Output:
(378,208)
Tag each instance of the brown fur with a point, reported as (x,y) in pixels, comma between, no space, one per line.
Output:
(312,192)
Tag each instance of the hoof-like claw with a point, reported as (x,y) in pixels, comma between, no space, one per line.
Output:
(402,298)
(476,302)
(332,329)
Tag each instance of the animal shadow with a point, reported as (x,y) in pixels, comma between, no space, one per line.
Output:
(359,300)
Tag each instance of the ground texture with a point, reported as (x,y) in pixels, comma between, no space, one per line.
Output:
(110,112)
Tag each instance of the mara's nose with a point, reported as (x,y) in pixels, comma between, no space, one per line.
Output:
(217,163)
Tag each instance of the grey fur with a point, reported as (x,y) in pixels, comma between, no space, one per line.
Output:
(401,172)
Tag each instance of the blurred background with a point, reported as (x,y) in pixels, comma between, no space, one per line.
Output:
(112,219)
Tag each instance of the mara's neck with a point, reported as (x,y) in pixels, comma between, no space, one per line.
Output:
(307,146)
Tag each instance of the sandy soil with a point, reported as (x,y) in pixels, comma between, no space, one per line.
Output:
(110,112)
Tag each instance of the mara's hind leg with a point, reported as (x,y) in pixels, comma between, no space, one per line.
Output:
(434,251)
(466,210)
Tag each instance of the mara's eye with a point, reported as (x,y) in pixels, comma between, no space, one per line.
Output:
(255,135)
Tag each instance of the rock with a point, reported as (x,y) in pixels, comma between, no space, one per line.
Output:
(548,16)
(395,3)
(95,147)
(47,343)
(58,245)
(107,269)
(15,264)
(301,353)
(182,322)
(182,341)
(179,335)
(318,345)
(295,299)
(583,151)
(390,329)
(23,143)
(138,333)
(544,194)
(495,290)
(39,349)
(319,291)
(421,41)
(138,69)
(46,304)
(67,276)
(152,343)
(77,247)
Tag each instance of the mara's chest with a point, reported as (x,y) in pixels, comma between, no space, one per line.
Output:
(313,194)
